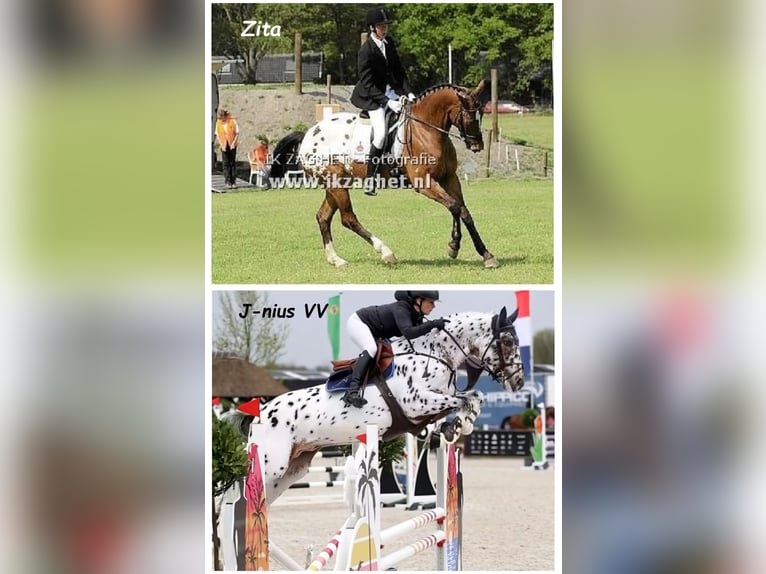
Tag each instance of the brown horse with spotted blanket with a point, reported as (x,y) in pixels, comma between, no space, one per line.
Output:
(428,161)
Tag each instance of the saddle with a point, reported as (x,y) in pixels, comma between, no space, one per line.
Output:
(383,369)
(384,357)
(391,119)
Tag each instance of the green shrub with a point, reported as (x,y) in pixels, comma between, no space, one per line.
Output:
(528,418)
(229,456)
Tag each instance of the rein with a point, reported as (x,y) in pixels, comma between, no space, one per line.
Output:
(461,126)
(412,351)
(472,361)
(483,364)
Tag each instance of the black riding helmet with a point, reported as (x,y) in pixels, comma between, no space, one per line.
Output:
(410,296)
(377,16)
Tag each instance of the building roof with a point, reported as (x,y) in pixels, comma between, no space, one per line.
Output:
(235,377)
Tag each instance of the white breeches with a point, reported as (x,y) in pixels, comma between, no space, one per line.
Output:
(360,334)
(378,121)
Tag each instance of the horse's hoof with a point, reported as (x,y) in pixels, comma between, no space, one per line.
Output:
(490,262)
(337,262)
(388,258)
(447,430)
(467,428)
(452,253)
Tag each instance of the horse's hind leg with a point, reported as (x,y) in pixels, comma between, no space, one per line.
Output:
(282,466)
(350,221)
(324,219)
(297,468)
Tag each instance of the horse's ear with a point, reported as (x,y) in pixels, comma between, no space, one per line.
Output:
(483,91)
(498,322)
(513,317)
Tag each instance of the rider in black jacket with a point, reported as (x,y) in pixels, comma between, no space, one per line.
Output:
(404,317)
(381,81)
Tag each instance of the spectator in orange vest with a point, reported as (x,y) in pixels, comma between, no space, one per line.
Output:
(227,133)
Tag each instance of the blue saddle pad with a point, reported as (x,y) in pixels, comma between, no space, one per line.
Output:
(339,380)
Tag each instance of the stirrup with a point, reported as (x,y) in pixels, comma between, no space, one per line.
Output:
(354,399)
(372,189)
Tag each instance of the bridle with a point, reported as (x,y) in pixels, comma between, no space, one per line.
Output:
(482,364)
(459,123)
(499,327)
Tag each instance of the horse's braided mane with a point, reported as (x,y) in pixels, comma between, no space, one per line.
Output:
(438,87)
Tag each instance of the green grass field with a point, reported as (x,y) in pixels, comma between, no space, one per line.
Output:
(265,237)
(535,130)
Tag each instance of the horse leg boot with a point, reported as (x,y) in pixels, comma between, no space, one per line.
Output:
(353,397)
(373,163)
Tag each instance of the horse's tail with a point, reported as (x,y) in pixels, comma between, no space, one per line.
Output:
(285,154)
(239,421)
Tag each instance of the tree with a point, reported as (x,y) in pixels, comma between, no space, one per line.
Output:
(257,340)
(330,28)
(515,38)
(228,26)
(543,345)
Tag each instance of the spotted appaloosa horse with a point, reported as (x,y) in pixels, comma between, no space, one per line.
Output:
(333,153)
(294,426)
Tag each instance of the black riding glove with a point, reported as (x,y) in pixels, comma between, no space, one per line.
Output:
(423,329)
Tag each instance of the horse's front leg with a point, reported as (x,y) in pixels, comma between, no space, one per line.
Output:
(464,420)
(449,193)
(439,194)
(453,188)
(457,233)
(466,406)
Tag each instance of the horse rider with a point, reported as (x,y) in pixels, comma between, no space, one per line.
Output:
(381,81)
(403,317)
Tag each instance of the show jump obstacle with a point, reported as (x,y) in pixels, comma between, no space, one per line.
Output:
(358,544)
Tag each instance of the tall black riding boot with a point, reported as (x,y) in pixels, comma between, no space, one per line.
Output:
(373,163)
(362,365)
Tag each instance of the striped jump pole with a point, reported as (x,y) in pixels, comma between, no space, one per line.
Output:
(397,530)
(421,545)
(318,483)
(327,552)
(327,469)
